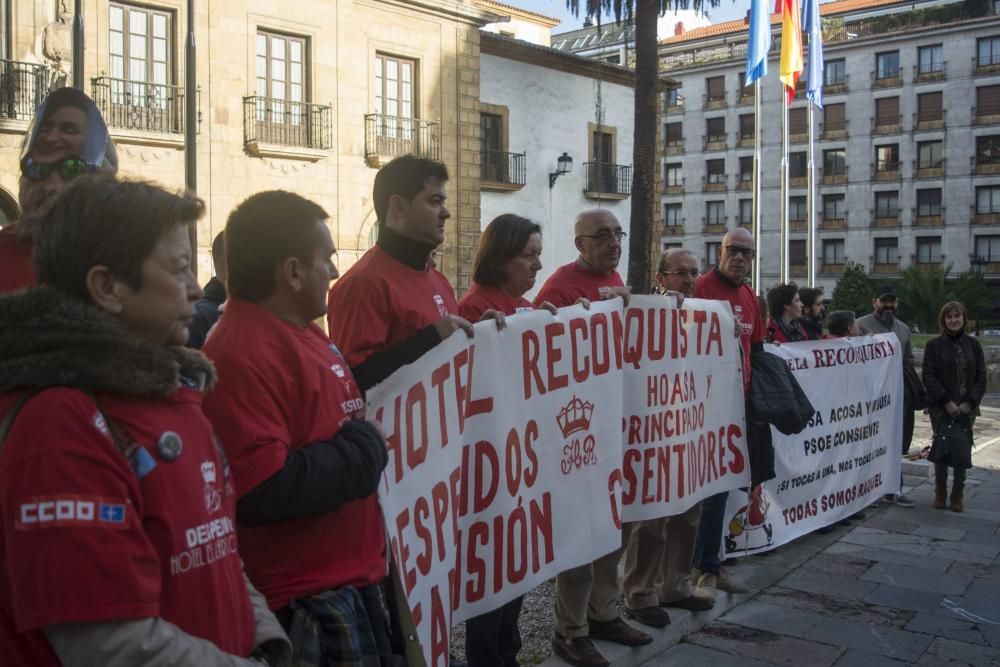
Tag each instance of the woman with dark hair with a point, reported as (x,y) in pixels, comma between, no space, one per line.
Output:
(508,259)
(67,138)
(954,375)
(786,310)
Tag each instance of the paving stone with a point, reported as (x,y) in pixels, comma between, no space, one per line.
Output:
(684,655)
(763,645)
(951,628)
(897,597)
(824,584)
(861,552)
(983,591)
(979,538)
(831,606)
(979,570)
(951,552)
(949,584)
(950,652)
(856,658)
(894,525)
(938,533)
(990,633)
(838,566)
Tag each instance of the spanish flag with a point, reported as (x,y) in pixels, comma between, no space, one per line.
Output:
(791,45)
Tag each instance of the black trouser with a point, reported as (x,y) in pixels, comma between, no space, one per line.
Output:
(493,639)
(908,420)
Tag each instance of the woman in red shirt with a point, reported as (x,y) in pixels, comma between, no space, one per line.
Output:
(785,306)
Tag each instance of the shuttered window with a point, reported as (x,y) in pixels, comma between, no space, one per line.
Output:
(673,132)
(987,100)
(797,121)
(716,88)
(715,129)
(929,107)
(747,126)
(887,111)
(833,117)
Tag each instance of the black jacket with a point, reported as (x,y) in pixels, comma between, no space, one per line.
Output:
(206,313)
(940,371)
(776,395)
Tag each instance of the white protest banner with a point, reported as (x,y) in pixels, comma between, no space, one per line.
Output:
(683,432)
(847,457)
(504,462)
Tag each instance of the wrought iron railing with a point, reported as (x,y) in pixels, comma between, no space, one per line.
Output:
(274,121)
(389,136)
(608,178)
(22,87)
(139,105)
(500,167)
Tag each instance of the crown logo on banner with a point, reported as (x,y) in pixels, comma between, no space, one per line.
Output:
(208,472)
(575,416)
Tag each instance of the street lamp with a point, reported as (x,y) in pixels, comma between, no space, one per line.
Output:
(564,166)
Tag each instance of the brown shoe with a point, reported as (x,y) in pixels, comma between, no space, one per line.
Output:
(654,617)
(619,632)
(578,651)
(958,496)
(940,491)
(693,603)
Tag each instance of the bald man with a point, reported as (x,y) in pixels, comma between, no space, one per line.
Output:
(586,596)
(726,282)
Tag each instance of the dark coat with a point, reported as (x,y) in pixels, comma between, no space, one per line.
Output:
(941,375)
(206,313)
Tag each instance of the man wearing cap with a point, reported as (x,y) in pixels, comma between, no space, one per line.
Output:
(883,320)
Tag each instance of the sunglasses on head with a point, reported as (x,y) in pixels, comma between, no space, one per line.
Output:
(69,168)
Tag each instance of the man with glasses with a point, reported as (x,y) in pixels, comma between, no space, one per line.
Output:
(587,596)
(725,282)
(659,551)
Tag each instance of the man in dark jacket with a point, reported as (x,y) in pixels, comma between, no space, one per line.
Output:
(206,310)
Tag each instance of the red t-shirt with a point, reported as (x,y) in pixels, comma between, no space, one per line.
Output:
(17,269)
(282,387)
(746,309)
(573,281)
(478,299)
(380,301)
(91,535)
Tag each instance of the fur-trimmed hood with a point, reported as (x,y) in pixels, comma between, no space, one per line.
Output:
(48,339)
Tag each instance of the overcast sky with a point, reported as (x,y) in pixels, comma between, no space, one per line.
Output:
(726,11)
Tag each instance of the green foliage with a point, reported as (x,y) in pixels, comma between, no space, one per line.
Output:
(623,10)
(922,293)
(853,291)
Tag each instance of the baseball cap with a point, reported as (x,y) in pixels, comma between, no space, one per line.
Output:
(885,291)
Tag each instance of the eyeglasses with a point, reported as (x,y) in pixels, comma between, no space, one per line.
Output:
(605,237)
(740,250)
(68,168)
(693,273)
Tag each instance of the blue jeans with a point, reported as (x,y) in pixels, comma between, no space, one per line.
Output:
(709,542)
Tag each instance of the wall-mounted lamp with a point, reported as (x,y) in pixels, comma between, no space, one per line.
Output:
(565,165)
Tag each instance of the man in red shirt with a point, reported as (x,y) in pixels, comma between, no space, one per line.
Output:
(587,596)
(117,509)
(725,282)
(290,417)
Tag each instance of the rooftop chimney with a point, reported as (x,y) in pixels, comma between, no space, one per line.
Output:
(588,22)
(679,29)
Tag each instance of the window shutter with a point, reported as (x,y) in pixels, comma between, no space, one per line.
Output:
(716,87)
(887,111)
(833,117)
(929,106)
(797,121)
(987,100)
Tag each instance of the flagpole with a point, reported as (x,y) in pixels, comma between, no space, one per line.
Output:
(757,231)
(811,200)
(783,236)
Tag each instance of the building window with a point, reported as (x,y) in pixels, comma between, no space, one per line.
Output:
(834,162)
(745,90)
(747,128)
(929,107)
(395,89)
(928,250)
(796,209)
(988,248)
(987,101)
(931,59)
(930,155)
(715,213)
(988,200)
(746,169)
(833,117)
(716,170)
(887,65)
(746,212)
(886,111)
(715,130)
(988,51)
(887,251)
(834,207)
(715,87)
(797,164)
(394,127)
(987,150)
(674,98)
(833,252)
(835,72)
(887,204)
(672,215)
(797,121)
(712,253)
(673,175)
(797,253)
(672,132)
(496,163)
(887,158)
(491,132)
(929,202)
(281,74)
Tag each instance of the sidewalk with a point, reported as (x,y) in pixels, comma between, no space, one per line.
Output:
(904,586)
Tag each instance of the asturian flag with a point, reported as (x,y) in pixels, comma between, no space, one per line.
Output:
(791,45)
(814,72)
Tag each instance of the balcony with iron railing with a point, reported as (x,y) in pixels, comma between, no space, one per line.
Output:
(889,77)
(835,85)
(985,215)
(298,125)
(139,105)
(829,223)
(387,137)
(925,124)
(989,64)
(746,141)
(715,225)
(834,177)
(885,170)
(834,267)
(674,147)
(933,71)
(715,183)
(502,171)
(606,180)
(885,219)
(885,265)
(674,186)
(827,133)
(674,229)
(22,88)
(984,117)
(887,125)
(927,261)
(744,180)
(713,101)
(986,162)
(715,142)
(797,181)
(930,169)
(928,216)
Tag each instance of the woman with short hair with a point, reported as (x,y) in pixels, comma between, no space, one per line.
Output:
(786,310)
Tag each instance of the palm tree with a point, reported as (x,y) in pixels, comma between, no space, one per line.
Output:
(922,293)
(645,13)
